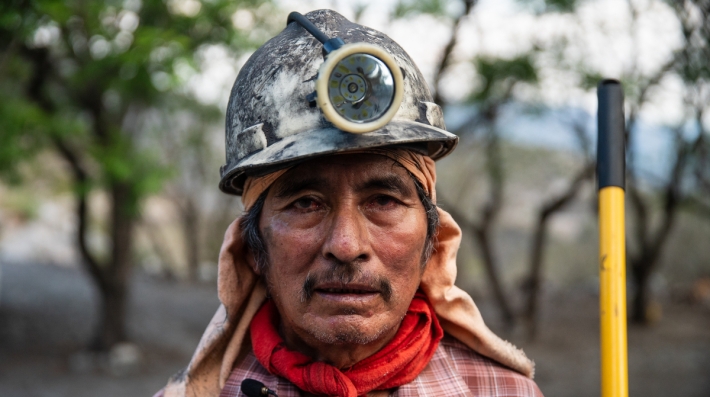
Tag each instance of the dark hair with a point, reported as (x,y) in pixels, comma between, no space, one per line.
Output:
(252,236)
(432,221)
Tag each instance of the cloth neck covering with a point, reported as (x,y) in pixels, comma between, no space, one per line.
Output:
(242,293)
(396,364)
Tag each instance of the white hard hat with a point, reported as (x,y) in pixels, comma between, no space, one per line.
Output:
(275,118)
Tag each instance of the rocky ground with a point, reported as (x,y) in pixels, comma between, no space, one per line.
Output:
(47,314)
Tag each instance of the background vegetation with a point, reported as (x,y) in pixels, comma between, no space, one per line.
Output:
(111,135)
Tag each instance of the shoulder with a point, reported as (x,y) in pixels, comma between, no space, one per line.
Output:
(484,376)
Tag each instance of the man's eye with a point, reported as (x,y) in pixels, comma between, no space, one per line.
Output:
(384,201)
(306,204)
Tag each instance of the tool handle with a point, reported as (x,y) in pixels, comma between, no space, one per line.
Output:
(612,240)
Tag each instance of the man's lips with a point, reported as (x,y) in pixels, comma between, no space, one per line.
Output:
(343,291)
(346,289)
(367,288)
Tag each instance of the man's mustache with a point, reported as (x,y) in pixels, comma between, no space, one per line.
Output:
(346,273)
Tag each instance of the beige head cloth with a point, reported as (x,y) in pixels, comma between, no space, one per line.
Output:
(242,292)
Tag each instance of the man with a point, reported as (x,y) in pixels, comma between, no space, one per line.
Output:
(338,280)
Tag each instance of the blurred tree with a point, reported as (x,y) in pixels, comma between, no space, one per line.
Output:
(77,77)
(549,207)
(499,76)
(652,223)
(690,144)
(191,146)
(653,205)
(564,58)
(555,203)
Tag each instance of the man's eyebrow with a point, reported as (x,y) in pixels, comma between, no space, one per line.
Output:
(293,186)
(392,183)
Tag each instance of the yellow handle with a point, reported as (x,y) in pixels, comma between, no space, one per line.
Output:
(612,292)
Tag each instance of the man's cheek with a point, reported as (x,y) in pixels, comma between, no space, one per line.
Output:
(399,253)
(290,249)
(400,243)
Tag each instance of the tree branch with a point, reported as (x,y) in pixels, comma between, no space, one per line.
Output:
(41,71)
(81,182)
(482,230)
(445,60)
(539,240)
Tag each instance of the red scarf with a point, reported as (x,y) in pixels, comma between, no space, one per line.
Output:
(396,364)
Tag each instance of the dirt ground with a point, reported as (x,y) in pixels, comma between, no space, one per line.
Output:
(47,314)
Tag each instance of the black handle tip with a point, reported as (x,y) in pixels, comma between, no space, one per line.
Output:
(611,144)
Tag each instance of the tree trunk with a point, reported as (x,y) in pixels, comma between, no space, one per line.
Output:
(114,286)
(533,282)
(112,317)
(445,60)
(651,242)
(480,235)
(641,298)
(539,242)
(491,264)
(111,278)
(190,222)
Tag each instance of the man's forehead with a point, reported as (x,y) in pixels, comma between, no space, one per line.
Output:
(356,160)
(360,171)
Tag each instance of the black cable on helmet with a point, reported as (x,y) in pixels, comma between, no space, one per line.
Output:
(308,25)
(329,44)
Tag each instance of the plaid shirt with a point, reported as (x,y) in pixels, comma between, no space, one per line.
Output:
(455,370)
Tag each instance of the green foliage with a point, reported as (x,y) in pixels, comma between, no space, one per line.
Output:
(692,61)
(78,76)
(590,79)
(409,8)
(22,126)
(546,6)
(498,76)
(359,9)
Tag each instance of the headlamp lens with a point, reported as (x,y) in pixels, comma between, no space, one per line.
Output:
(361,88)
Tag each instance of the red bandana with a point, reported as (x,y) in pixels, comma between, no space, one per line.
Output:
(396,364)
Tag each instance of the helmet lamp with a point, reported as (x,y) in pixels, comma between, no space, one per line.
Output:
(359,86)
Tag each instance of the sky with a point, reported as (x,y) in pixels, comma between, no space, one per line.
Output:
(602,32)
(601,36)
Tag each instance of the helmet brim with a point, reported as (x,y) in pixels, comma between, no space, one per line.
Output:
(305,145)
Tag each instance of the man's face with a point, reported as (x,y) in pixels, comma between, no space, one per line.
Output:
(345,236)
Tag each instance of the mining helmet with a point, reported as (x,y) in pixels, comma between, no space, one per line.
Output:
(325,85)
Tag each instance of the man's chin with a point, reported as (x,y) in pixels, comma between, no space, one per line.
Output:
(343,332)
(346,337)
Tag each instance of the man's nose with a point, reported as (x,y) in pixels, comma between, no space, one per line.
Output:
(347,240)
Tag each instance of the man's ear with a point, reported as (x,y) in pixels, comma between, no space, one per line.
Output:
(249,255)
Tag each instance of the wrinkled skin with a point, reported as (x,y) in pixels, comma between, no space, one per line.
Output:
(344,236)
